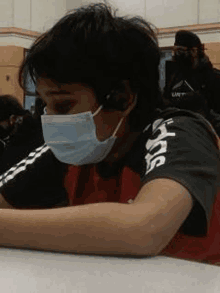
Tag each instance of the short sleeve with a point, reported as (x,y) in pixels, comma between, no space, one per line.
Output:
(184,148)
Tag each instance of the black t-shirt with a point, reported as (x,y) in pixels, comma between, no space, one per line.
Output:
(182,146)
(179,145)
(25,137)
(214,119)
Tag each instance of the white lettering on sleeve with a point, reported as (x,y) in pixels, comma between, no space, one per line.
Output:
(152,159)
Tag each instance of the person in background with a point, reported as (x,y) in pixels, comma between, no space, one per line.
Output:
(116,176)
(20,133)
(11,112)
(192,82)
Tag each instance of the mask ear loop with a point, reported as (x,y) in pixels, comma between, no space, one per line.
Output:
(120,122)
(97,111)
(118,126)
(45,111)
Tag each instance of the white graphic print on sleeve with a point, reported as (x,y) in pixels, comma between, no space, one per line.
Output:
(157,159)
(22,166)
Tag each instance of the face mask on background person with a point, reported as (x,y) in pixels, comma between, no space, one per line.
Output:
(4,133)
(5,129)
(183,56)
(73,140)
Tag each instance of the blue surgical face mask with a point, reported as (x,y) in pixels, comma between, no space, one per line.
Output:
(73,140)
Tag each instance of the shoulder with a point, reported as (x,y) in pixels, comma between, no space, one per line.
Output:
(169,132)
(185,119)
(175,131)
(182,146)
(174,122)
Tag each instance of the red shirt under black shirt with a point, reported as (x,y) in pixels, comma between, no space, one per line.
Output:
(178,144)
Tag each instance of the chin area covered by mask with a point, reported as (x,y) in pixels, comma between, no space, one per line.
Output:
(183,59)
(5,132)
(73,140)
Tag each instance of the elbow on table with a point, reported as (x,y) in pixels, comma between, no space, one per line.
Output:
(4,204)
(145,245)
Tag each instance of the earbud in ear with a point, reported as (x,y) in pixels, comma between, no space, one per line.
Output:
(115,101)
(19,120)
(117,98)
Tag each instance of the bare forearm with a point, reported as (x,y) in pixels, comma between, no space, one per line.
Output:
(82,229)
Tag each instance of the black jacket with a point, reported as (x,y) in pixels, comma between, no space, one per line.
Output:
(205,96)
(25,137)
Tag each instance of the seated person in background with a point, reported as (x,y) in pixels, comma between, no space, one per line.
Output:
(11,112)
(192,82)
(115,176)
(19,132)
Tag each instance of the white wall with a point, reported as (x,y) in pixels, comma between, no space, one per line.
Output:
(40,15)
(166,13)
(22,14)
(162,13)
(174,13)
(209,11)
(45,13)
(36,15)
(6,13)
(130,7)
(71,4)
(171,13)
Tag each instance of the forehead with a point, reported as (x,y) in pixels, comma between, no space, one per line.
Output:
(76,97)
(47,88)
(44,85)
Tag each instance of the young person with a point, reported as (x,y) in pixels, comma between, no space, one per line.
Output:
(115,176)
(10,112)
(192,82)
(19,132)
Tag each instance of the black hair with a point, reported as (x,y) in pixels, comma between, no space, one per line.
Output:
(93,46)
(188,39)
(39,108)
(9,105)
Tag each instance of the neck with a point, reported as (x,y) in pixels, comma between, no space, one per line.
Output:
(122,146)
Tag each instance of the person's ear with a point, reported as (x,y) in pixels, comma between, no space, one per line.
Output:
(15,119)
(131,105)
(131,100)
(12,119)
(120,98)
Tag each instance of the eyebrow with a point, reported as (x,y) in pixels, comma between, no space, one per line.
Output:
(58,92)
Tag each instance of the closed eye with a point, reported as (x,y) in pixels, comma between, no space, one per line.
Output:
(64,107)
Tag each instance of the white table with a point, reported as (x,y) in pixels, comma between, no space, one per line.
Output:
(24,271)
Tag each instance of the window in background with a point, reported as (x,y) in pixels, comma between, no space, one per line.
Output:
(166,55)
(29,100)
